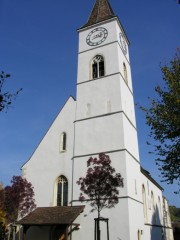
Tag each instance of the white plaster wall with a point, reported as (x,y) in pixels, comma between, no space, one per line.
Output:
(153,233)
(156,222)
(127,102)
(123,59)
(133,178)
(99,135)
(130,138)
(154,217)
(118,223)
(98,93)
(135,210)
(168,221)
(47,163)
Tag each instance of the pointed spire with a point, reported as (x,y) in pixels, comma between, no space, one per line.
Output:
(101,11)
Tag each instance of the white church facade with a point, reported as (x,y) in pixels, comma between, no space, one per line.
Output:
(100,120)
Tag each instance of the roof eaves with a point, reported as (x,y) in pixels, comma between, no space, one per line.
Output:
(59,216)
(147,174)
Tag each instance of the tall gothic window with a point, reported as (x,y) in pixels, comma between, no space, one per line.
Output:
(63,142)
(98,67)
(62,191)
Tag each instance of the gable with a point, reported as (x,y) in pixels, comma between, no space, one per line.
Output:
(63,120)
(47,162)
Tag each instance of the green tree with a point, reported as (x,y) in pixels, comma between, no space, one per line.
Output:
(175,213)
(163,118)
(6,97)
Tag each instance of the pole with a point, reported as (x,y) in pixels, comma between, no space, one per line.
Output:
(107,230)
(98,222)
(98,229)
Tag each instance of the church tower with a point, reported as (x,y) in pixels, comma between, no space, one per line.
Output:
(105,119)
(100,120)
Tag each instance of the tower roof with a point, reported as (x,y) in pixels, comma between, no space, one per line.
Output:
(101,11)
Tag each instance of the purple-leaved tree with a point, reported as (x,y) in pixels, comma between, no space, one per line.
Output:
(17,200)
(100,185)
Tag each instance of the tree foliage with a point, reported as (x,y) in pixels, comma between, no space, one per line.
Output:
(163,117)
(2,213)
(6,97)
(2,223)
(100,184)
(175,213)
(17,200)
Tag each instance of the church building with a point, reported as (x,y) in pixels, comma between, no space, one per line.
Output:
(100,120)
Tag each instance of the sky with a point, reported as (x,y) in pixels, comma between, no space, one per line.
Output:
(39,46)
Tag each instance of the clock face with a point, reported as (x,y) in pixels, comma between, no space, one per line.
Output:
(123,43)
(97,36)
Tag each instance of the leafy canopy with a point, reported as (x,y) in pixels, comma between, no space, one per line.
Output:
(163,117)
(100,184)
(175,213)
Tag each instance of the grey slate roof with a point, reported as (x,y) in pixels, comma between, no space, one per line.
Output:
(101,11)
(52,216)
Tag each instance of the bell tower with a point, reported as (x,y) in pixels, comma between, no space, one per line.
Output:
(105,117)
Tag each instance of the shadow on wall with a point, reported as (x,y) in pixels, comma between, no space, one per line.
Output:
(156,229)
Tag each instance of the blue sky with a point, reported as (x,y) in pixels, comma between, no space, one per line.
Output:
(38,47)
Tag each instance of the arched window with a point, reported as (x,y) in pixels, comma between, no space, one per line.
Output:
(125,72)
(98,67)
(63,142)
(62,191)
(144,204)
